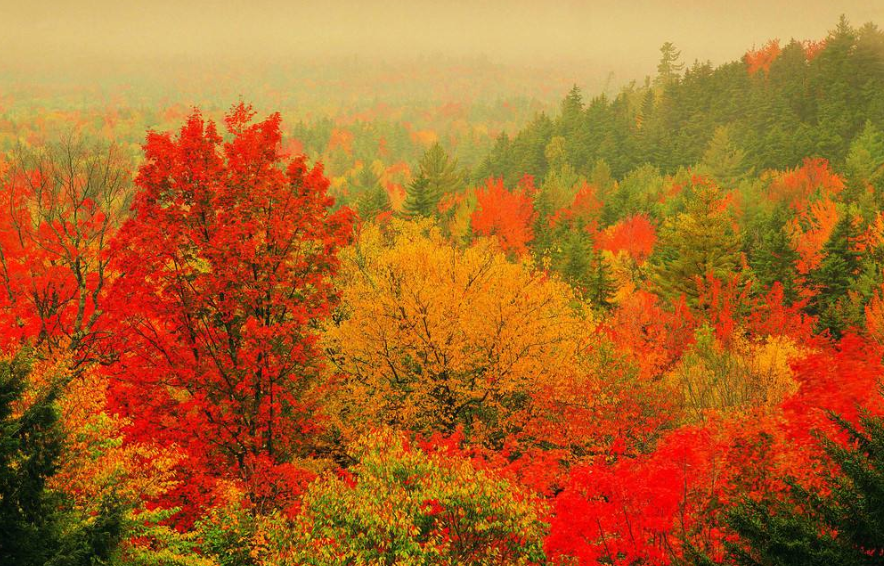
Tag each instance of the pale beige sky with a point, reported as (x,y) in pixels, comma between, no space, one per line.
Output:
(613,34)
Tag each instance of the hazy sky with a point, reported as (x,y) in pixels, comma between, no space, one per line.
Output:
(617,34)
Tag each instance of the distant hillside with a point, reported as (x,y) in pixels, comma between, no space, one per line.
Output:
(779,104)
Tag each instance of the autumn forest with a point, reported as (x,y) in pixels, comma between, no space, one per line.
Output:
(447,311)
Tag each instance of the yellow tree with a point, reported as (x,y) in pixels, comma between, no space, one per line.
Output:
(432,337)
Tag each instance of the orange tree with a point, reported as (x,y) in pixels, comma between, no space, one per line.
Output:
(432,338)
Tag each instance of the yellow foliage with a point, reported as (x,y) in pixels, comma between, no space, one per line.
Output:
(96,462)
(625,272)
(434,337)
(748,374)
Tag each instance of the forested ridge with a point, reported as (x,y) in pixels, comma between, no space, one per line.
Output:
(645,329)
(780,103)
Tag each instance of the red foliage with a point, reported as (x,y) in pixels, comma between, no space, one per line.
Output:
(584,211)
(640,509)
(800,186)
(58,210)
(509,215)
(636,510)
(761,59)
(653,336)
(224,269)
(771,316)
(635,235)
(840,378)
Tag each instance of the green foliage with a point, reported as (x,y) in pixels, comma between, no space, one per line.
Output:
(35,527)
(835,277)
(29,448)
(227,533)
(420,200)
(804,106)
(400,505)
(723,161)
(153,542)
(696,244)
(373,199)
(864,165)
(437,176)
(772,257)
(670,66)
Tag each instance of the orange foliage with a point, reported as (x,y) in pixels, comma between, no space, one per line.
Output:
(293,147)
(810,231)
(635,236)
(761,59)
(342,139)
(653,337)
(813,48)
(509,215)
(424,138)
(798,187)
(585,209)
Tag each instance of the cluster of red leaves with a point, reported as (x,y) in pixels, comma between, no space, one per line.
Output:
(224,269)
(641,509)
(654,336)
(583,212)
(509,215)
(54,234)
(798,187)
(635,235)
(731,307)
(810,191)
(635,510)
(761,59)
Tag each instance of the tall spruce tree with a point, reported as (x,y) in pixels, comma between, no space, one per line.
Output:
(35,528)
(835,277)
(670,66)
(373,197)
(697,243)
(30,444)
(420,199)
(772,257)
(723,161)
(441,172)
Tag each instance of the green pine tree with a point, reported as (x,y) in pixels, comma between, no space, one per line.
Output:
(602,286)
(835,277)
(865,168)
(35,528)
(373,197)
(696,243)
(420,199)
(723,161)
(773,259)
(440,171)
(670,66)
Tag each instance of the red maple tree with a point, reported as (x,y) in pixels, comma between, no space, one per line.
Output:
(59,206)
(223,273)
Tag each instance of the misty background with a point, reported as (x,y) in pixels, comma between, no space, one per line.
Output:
(245,45)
